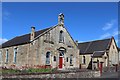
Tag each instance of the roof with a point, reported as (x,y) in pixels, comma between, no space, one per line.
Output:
(118,49)
(22,39)
(98,54)
(90,47)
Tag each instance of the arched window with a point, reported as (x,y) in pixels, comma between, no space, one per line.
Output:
(61,37)
(54,58)
(48,58)
(71,60)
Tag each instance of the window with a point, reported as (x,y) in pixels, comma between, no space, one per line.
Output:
(54,58)
(61,37)
(7,56)
(47,58)
(0,56)
(67,59)
(61,53)
(15,55)
(84,61)
(71,56)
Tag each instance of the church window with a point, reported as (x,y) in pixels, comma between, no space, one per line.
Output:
(61,37)
(47,58)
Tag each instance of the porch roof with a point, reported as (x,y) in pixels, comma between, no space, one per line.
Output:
(98,54)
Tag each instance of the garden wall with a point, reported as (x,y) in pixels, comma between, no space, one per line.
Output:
(89,74)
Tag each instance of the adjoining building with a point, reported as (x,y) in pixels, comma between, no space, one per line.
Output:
(94,52)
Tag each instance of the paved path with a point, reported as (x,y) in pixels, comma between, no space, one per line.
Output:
(112,74)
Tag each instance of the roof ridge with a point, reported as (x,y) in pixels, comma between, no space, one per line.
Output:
(35,32)
(94,40)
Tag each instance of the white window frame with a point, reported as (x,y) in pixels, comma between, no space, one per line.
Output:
(15,55)
(61,37)
(7,55)
(48,58)
(0,56)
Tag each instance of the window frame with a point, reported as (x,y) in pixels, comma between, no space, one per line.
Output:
(61,37)
(71,60)
(0,56)
(7,56)
(48,58)
(67,59)
(84,60)
(15,55)
(54,59)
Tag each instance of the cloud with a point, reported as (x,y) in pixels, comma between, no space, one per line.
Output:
(106,35)
(2,40)
(115,33)
(109,25)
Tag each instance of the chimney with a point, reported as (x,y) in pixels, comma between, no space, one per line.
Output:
(76,42)
(32,33)
(61,18)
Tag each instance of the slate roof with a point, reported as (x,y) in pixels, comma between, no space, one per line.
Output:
(90,47)
(22,39)
(118,49)
(98,54)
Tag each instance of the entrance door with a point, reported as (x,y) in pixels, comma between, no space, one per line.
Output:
(60,62)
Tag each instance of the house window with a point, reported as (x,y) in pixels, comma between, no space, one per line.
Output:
(61,37)
(7,56)
(67,59)
(47,58)
(15,55)
(71,60)
(54,58)
(84,61)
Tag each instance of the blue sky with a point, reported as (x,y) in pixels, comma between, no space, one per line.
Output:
(85,21)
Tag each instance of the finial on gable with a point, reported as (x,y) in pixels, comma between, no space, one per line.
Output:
(61,18)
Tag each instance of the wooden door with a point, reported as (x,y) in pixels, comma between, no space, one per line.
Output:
(60,62)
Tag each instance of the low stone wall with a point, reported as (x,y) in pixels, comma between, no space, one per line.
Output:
(86,74)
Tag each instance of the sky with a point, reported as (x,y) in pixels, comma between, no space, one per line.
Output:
(85,21)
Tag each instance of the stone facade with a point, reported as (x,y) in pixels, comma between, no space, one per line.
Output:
(47,49)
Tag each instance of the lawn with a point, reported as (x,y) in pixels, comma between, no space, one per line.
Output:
(31,70)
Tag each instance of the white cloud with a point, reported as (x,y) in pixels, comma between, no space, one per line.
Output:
(115,33)
(2,40)
(109,25)
(106,35)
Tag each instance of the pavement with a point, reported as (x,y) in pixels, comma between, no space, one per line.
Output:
(111,74)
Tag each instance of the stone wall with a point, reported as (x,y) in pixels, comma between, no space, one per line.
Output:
(90,74)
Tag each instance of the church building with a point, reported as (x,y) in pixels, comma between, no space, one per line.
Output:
(51,47)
